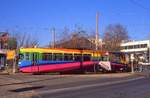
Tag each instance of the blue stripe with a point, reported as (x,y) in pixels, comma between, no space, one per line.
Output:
(26,63)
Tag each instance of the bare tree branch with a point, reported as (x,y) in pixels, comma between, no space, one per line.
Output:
(113,37)
(25,40)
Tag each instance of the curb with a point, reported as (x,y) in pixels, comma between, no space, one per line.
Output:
(146,74)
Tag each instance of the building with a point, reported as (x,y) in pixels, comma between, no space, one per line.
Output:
(2,59)
(140,49)
(93,41)
(4,40)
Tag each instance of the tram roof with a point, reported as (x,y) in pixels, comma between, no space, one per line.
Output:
(58,50)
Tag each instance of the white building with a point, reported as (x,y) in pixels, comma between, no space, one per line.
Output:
(139,48)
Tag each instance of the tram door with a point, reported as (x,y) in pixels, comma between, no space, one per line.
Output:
(35,67)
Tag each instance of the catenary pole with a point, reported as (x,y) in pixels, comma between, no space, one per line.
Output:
(97,32)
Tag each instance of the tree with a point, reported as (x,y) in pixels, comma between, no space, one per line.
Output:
(24,40)
(78,39)
(113,37)
(12,43)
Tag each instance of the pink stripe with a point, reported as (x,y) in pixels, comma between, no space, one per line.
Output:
(56,67)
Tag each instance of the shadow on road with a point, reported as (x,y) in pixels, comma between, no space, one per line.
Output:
(18,83)
(26,89)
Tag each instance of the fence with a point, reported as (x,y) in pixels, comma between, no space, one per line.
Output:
(142,67)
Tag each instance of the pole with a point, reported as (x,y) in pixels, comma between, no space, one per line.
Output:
(14,66)
(97,33)
(53,32)
(14,62)
(149,53)
(132,68)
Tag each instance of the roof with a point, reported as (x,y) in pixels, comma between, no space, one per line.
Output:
(59,50)
(3,34)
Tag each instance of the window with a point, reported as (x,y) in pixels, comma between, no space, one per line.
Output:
(104,58)
(130,47)
(21,56)
(86,57)
(68,57)
(78,57)
(34,56)
(27,56)
(115,58)
(47,56)
(57,56)
(136,46)
(143,45)
(126,47)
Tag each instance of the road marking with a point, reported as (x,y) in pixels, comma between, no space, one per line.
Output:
(86,86)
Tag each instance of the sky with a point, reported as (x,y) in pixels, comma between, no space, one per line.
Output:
(38,17)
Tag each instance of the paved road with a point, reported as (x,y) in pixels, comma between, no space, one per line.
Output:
(78,86)
(135,89)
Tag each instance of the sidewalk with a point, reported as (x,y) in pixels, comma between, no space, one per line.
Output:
(146,74)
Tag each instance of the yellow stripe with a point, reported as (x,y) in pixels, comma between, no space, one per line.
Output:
(51,50)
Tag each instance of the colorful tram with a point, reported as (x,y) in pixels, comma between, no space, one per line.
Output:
(34,60)
(115,61)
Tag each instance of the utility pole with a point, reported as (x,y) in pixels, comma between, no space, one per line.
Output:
(149,51)
(53,32)
(14,63)
(96,37)
(97,33)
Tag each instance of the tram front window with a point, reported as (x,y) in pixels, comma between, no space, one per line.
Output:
(21,56)
(104,58)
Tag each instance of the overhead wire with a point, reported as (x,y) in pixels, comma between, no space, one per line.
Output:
(140,5)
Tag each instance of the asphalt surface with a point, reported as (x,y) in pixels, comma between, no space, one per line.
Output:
(134,89)
(75,86)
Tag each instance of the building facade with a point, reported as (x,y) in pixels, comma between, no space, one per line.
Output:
(4,40)
(2,59)
(140,49)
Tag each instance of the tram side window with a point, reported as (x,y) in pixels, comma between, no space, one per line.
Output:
(47,56)
(115,58)
(78,57)
(57,57)
(27,56)
(68,57)
(86,57)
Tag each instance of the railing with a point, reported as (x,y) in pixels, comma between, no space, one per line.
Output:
(142,67)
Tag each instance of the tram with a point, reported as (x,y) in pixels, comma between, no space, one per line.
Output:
(34,60)
(115,61)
